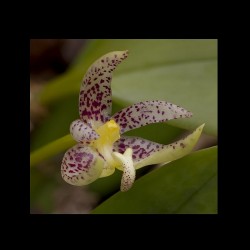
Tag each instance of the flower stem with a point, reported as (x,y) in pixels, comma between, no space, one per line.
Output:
(51,149)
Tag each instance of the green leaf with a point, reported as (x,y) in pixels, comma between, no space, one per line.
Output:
(187,185)
(198,203)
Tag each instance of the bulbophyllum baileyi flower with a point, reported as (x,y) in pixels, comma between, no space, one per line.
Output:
(101,146)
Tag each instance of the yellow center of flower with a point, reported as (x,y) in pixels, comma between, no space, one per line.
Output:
(108,134)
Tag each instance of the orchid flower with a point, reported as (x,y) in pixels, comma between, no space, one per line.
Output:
(102,147)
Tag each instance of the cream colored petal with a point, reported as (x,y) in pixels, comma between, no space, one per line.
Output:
(95,99)
(148,112)
(172,151)
(81,165)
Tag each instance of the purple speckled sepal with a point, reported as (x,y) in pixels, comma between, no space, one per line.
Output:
(95,100)
(143,113)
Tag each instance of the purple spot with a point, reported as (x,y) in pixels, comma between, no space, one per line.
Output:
(122,145)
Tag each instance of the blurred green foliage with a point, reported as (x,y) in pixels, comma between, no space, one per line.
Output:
(183,72)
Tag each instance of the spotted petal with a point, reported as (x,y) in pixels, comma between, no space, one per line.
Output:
(82,132)
(143,113)
(147,152)
(81,166)
(95,101)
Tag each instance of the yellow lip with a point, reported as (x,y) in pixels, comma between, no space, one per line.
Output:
(108,134)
